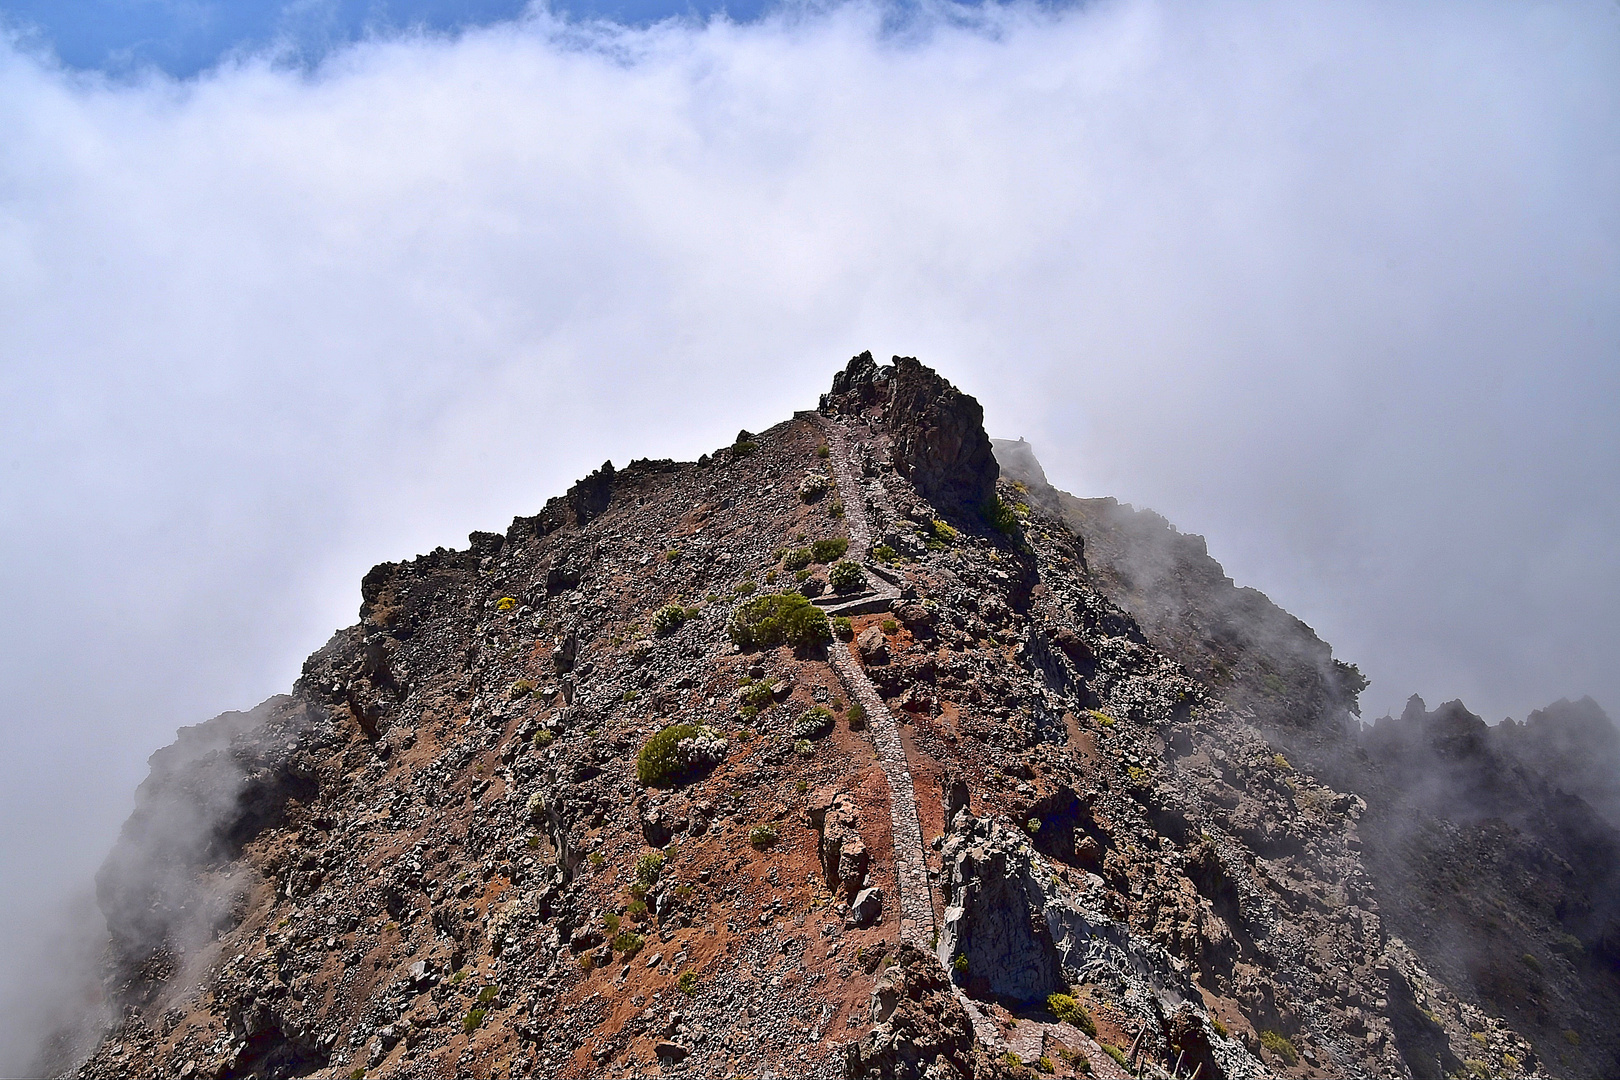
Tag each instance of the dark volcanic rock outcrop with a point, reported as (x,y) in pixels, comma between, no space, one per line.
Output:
(936,432)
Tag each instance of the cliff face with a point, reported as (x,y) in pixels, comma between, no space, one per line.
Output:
(786,760)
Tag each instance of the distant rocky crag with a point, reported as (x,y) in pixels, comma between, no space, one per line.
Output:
(846,751)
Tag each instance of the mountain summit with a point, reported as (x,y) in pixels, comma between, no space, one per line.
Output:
(849,751)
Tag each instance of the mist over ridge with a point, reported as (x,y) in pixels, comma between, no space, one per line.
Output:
(1333,286)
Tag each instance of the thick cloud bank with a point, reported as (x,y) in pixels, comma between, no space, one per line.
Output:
(1337,285)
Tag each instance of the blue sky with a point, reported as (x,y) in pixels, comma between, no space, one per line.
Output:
(183,37)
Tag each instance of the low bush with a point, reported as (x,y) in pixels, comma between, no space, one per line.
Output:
(825,551)
(999,515)
(884,553)
(505,603)
(678,752)
(816,723)
(798,559)
(1279,1044)
(648,867)
(856,717)
(823,451)
(488,994)
(941,531)
(1076,1061)
(890,626)
(744,588)
(1070,1011)
(762,836)
(667,619)
(687,983)
(804,747)
(473,1019)
(628,942)
(520,688)
(780,619)
(757,695)
(844,628)
(846,576)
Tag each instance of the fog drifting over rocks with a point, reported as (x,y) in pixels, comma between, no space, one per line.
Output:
(1337,286)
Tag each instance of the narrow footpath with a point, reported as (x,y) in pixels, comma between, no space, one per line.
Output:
(910,863)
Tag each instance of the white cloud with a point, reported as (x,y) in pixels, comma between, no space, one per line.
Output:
(1336,284)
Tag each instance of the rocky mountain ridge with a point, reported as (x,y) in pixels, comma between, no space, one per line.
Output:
(836,752)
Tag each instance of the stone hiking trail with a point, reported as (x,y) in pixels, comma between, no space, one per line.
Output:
(917,925)
(910,866)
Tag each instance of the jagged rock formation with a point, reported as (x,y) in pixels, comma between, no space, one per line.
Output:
(608,794)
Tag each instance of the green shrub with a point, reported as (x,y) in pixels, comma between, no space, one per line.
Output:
(1076,1060)
(743,448)
(637,910)
(801,576)
(1070,1011)
(762,836)
(890,626)
(798,559)
(960,964)
(780,619)
(757,695)
(744,588)
(1011,1060)
(1116,1053)
(648,867)
(542,738)
(628,942)
(677,752)
(687,983)
(596,860)
(823,451)
(587,962)
(520,688)
(856,717)
(667,619)
(1045,1065)
(942,532)
(846,576)
(1279,1044)
(804,747)
(505,603)
(825,551)
(999,515)
(488,994)
(611,921)
(836,508)
(816,723)
(472,1020)
(770,577)
(843,628)
(884,553)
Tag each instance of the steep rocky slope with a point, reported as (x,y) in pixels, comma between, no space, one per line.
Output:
(1494,850)
(826,754)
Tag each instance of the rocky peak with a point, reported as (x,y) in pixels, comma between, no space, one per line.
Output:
(936,432)
(755,765)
